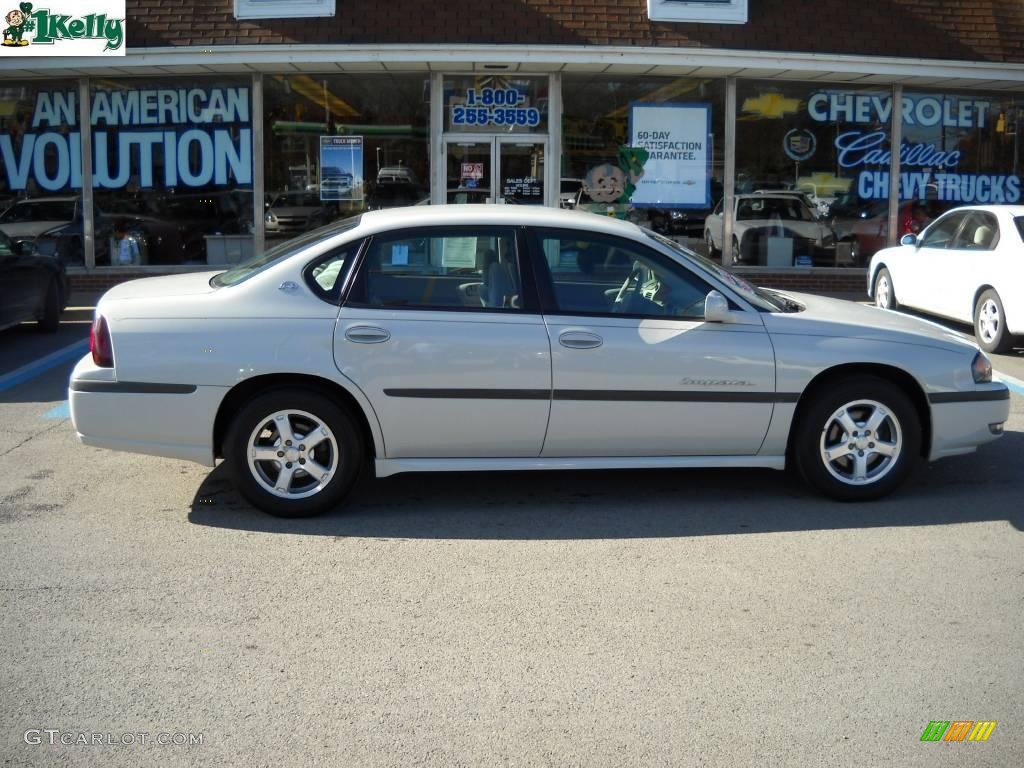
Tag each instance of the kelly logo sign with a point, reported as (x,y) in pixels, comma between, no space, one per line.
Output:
(75,28)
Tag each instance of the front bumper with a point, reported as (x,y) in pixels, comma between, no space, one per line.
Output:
(961,426)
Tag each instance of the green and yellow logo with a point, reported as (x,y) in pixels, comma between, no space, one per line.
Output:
(51,27)
(958,730)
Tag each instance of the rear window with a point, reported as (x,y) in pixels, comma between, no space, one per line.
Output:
(283,251)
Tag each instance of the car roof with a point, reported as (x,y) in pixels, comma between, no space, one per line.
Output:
(1012,209)
(509,215)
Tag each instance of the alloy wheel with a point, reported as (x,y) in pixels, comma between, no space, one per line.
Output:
(989,321)
(293,454)
(861,442)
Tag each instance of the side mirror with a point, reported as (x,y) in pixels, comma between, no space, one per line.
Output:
(908,240)
(716,308)
(26,247)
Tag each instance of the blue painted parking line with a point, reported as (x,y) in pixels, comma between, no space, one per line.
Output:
(1014,384)
(62,411)
(29,371)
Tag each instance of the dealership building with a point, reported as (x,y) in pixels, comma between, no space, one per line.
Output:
(789,138)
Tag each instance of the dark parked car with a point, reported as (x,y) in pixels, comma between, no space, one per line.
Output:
(32,286)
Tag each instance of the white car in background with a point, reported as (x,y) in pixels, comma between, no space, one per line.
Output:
(968,265)
(509,338)
(766,214)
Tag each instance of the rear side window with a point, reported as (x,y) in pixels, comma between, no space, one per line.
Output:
(980,232)
(1019,221)
(471,268)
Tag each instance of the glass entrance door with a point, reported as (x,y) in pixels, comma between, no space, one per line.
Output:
(495,169)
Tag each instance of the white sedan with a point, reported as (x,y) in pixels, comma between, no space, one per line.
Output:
(968,265)
(509,338)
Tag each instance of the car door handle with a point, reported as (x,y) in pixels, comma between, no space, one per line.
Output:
(580,340)
(367,334)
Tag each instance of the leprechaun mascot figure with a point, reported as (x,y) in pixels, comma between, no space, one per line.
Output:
(19,22)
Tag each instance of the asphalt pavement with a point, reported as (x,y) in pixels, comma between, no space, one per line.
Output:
(706,618)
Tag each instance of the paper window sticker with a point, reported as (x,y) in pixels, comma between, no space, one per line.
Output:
(400,254)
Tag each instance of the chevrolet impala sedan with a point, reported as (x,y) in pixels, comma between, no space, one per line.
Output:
(509,338)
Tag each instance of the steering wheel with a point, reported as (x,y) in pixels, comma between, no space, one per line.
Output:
(619,305)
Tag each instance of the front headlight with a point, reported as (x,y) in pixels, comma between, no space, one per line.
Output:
(981,369)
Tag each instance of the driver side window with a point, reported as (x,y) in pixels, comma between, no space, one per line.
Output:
(941,233)
(596,275)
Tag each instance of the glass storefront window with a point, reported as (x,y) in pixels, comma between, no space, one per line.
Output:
(173,171)
(41,168)
(812,174)
(958,149)
(650,149)
(337,145)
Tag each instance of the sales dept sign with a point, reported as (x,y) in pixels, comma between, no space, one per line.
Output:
(678,170)
(62,28)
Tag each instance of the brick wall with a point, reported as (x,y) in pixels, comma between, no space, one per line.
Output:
(970,30)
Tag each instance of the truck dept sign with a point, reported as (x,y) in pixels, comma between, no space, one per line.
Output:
(926,168)
(191,137)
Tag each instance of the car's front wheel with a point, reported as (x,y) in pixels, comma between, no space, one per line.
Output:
(990,323)
(294,453)
(858,439)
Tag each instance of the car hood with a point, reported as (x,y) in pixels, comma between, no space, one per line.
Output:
(824,316)
(294,210)
(24,229)
(163,287)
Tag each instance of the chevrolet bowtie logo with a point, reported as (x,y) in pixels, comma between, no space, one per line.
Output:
(772,105)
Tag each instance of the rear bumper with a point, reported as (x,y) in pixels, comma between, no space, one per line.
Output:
(960,427)
(175,421)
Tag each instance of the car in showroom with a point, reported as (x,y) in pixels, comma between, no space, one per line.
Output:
(967,265)
(486,337)
(775,229)
(54,223)
(289,213)
(32,286)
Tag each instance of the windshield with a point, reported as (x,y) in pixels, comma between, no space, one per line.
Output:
(297,200)
(771,208)
(282,251)
(758,297)
(49,210)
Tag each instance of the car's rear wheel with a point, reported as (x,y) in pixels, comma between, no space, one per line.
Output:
(990,323)
(885,294)
(858,439)
(294,453)
(709,242)
(49,321)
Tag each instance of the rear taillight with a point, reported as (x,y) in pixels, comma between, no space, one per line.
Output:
(99,343)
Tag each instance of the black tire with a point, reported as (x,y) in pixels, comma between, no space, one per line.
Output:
(817,427)
(885,297)
(990,323)
(350,453)
(49,321)
(713,253)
